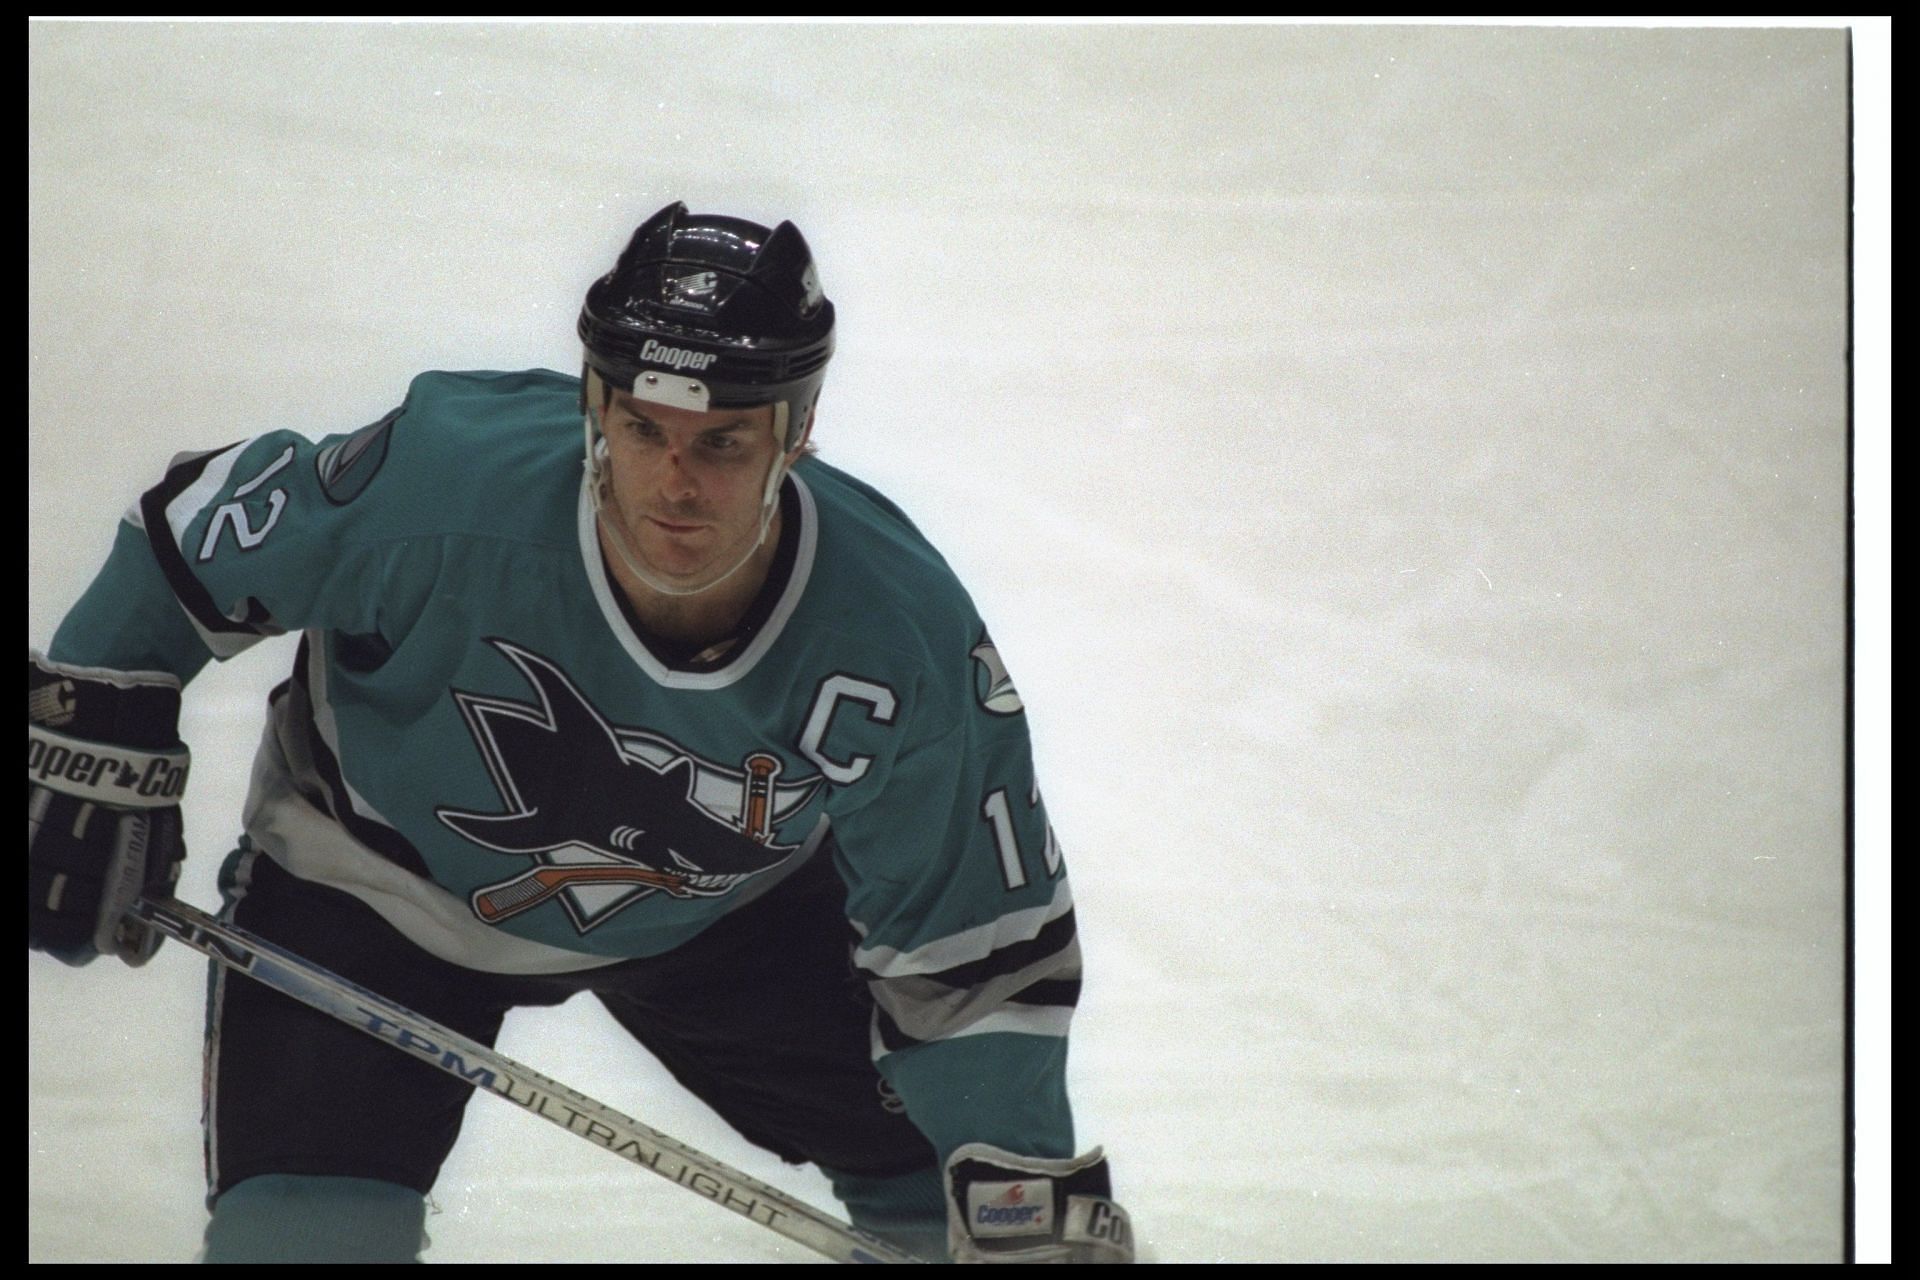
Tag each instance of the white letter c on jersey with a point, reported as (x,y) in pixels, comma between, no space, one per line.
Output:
(834,690)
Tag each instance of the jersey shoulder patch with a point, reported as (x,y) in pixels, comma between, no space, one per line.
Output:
(992,686)
(346,468)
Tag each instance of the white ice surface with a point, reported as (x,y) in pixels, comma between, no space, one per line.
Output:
(1404,468)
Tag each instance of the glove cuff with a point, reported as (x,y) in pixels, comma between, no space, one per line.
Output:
(1004,1207)
(126,708)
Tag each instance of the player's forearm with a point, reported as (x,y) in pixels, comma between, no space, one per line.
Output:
(1005,1090)
(128,620)
(995,1108)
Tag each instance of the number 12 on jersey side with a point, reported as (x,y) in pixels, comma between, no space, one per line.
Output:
(997,812)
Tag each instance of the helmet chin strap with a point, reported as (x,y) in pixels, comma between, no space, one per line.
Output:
(598,492)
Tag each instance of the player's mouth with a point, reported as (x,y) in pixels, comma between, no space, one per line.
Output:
(669,526)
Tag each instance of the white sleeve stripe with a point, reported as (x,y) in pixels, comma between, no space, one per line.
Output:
(1032,1020)
(119,679)
(182,510)
(967,946)
(223,644)
(928,1010)
(285,457)
(1026,1020)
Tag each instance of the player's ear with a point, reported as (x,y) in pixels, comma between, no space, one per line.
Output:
(800,441)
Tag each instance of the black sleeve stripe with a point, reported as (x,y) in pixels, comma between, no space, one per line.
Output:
(1056,993)
(892,1038)
(1057,936)
(187,589)
(1064,992)
(383,840)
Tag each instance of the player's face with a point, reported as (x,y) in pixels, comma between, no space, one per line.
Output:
(687,485)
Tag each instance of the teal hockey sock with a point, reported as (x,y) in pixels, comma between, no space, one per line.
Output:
(294,1218)
(908,1211)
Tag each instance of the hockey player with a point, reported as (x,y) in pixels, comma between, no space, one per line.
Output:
(711,732)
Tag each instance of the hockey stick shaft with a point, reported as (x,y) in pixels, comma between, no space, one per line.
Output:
(481,1067)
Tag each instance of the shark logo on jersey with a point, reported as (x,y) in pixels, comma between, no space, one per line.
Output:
(996,692)
(611,815)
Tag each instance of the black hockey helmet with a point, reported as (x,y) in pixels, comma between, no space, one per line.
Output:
(705,311)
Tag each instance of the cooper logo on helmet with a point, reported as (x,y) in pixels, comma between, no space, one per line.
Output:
(656,352)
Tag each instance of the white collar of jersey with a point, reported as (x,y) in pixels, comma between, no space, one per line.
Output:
(747,658)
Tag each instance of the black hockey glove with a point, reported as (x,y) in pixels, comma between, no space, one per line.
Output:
(105,771)
(1007,1208)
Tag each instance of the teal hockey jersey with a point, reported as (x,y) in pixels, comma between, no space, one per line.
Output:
(480,744)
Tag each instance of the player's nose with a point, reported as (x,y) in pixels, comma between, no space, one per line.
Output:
(677,476)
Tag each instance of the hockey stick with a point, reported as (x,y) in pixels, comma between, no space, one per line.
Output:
(480,1066)
(497,902)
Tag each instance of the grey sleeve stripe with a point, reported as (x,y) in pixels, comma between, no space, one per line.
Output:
(1027,1020)
(968,945)
(925,1009)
